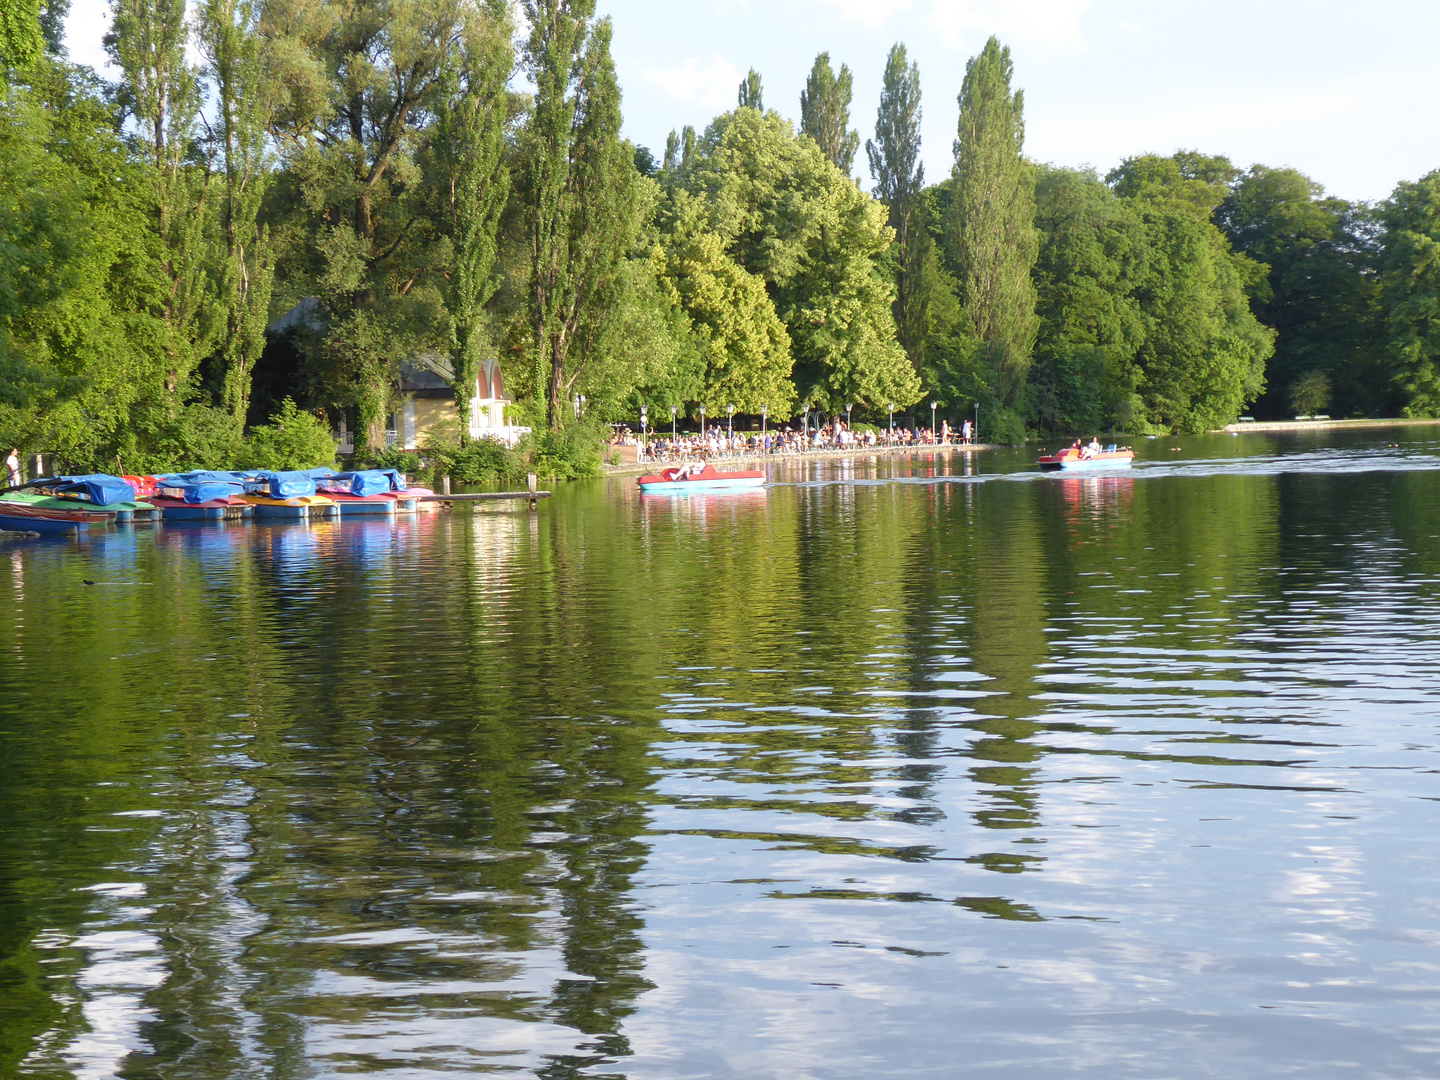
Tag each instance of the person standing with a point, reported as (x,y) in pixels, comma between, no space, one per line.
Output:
(12,467)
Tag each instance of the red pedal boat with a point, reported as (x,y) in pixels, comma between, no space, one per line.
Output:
(689,480)
(1076,457)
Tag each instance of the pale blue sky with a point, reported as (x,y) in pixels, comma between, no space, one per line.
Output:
(1347,92)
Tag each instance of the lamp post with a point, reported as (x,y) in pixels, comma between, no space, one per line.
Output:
(933,406)
(975,431)
(673,411)
(848,407)
(730,427)
(702,423)
(764,415)
(643,445)
(892,421)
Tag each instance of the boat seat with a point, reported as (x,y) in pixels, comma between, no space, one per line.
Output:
(1110,449)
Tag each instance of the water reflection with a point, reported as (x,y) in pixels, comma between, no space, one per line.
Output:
(878,770)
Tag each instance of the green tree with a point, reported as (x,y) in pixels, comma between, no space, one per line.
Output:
(743,345)
(899,176)
(992,229)
(1321,293)
(582,192)
(672,152)
(21,40)
(1204,352)
(825,113)
(750,96)
(1410,262)
(359,92)
(1093,255)
(161,91)
(469,142)
(227,32)
(790,217)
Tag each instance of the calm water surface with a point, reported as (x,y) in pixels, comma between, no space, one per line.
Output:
(900,769)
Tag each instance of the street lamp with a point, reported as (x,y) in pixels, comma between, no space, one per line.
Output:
(730,427)
(764,415)
(848,407)
(975,431)
(643,445)
(673,411)
(892,421)
(933,406)
(702,422)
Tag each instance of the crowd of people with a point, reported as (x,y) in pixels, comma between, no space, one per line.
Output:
(718,441)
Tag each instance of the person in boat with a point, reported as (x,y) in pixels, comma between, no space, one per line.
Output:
(1094,446)
(1075,449)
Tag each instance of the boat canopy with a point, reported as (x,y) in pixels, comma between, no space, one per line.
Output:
(97,488)
(280,485)
(372,481)
(199,487)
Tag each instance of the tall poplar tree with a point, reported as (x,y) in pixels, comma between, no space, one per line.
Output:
(581,187)
(1410,261)
(469,140)
(161,91)
(750,93)
(992,218)
(899,177)
(228,35)
(825,113)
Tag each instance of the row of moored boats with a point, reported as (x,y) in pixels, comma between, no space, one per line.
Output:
(62,504)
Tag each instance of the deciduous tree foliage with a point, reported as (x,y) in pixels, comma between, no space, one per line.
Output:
(1411,265)
(790,217)
(1321,294)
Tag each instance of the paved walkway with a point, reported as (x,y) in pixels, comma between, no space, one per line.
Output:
(839,454)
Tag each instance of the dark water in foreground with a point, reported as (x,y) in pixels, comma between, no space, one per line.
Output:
(879,774)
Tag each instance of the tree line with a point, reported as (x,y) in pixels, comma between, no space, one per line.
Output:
(447,178)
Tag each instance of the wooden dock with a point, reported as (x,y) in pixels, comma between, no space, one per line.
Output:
(446,498)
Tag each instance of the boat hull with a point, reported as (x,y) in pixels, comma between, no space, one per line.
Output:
(362,505)
(1118,459)
(708,481)
(299,508)
(700,487)
(36,523)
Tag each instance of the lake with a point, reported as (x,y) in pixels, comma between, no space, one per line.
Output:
(902,768)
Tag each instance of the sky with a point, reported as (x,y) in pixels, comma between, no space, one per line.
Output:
(1344,91)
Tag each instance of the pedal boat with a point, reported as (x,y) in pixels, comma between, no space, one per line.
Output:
(286,496)
(200,496)
(109,496)
(705,480)
(1071,459)
(366,491)
(27,517)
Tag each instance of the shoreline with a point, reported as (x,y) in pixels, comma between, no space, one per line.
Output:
(841,454)
(1319,425)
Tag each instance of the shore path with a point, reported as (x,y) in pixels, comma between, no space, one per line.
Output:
(750,460)
(1321,425)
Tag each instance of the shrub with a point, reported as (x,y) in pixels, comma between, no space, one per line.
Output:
(392,457)
(292,440)
(572,454)
(199,437)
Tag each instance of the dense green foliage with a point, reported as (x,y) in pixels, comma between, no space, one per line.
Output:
(376,162)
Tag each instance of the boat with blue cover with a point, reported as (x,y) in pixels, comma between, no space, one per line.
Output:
(109,496)
(287,496)
(203,495)
(366,491)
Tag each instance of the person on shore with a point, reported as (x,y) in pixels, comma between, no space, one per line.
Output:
(12,467)
(965,433)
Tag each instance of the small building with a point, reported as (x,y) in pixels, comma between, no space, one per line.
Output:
(427,385)
(425,389)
